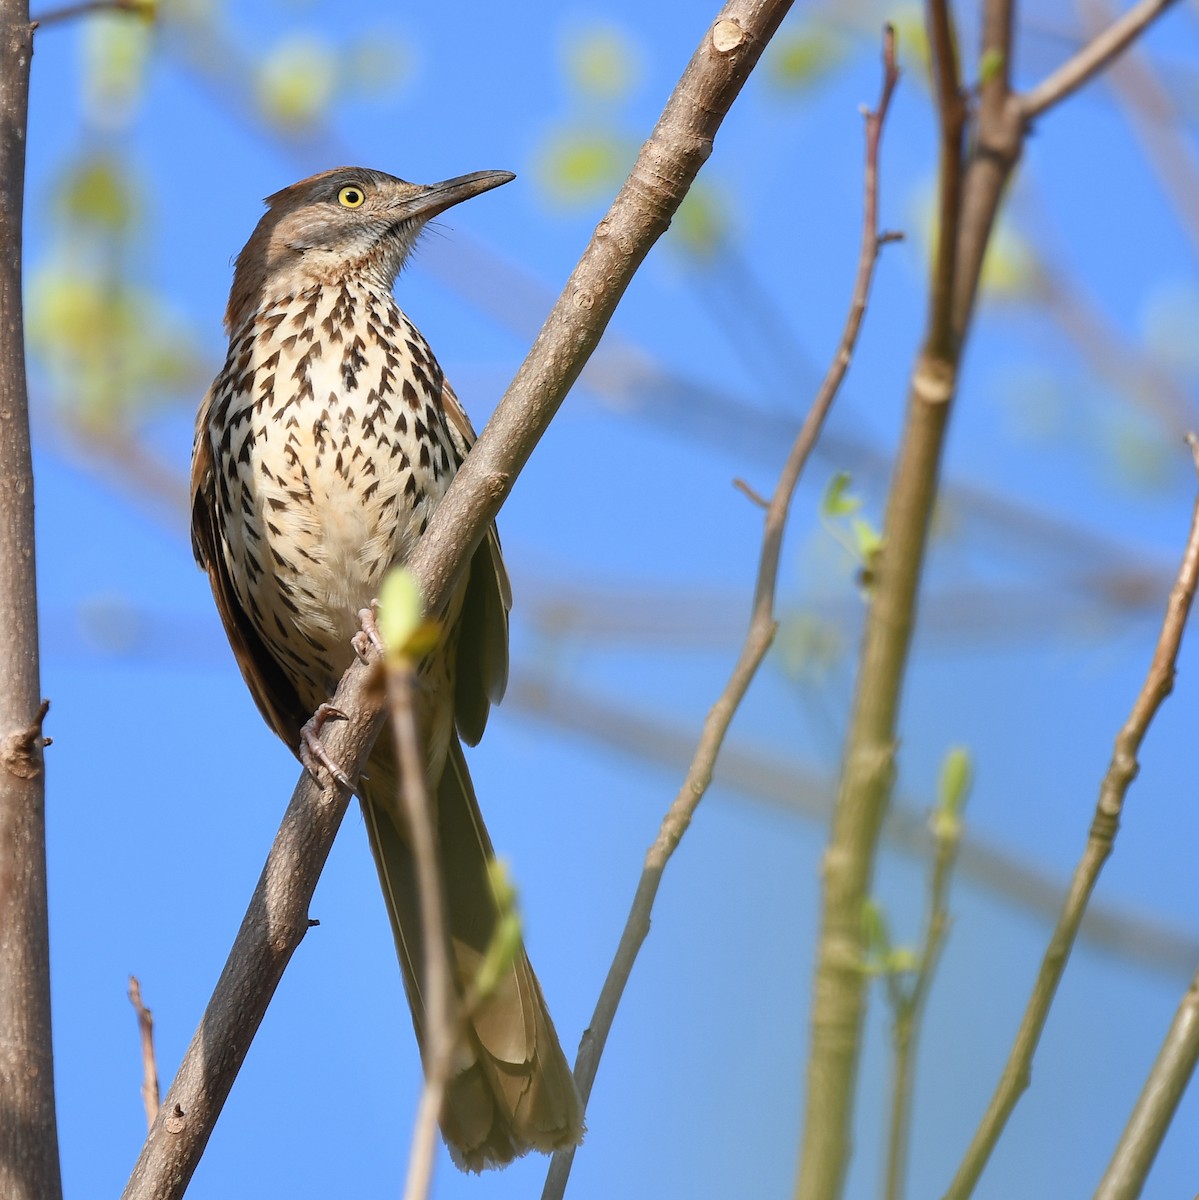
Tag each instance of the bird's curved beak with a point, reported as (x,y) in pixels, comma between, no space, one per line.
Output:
(435,198)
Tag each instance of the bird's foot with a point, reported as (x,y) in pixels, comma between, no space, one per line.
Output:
(312,750)
(369,634)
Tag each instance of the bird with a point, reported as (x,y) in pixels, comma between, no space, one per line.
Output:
(321,450)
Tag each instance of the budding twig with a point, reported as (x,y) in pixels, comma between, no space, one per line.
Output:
(145,1026)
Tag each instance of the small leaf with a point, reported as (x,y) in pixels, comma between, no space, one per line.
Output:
(911,35)
(401,611)
(296,80)
(502,887)
(505,941)
(990,65)
(580,165)
(97,191)
(868,539)
(116,52)
(700,224)
(1010,266)
(803,57)
(837,500)
(602,63)
(109,347)
(957,777)
(875,934)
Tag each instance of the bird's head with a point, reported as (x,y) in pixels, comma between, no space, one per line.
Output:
(350,222)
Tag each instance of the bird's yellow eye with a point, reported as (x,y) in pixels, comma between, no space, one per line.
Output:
(351,196)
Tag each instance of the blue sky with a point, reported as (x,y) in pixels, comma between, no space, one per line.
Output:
(165,788)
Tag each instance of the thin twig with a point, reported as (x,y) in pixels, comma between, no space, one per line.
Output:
(145,1027)
(277,917)
(758,639)
(1123,769)
(749,492)
(909,1002)
(1092,58)
(436,982)
(57,16)
(1125,1177)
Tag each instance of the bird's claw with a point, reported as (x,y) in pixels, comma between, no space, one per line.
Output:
(313,754)
(368,636)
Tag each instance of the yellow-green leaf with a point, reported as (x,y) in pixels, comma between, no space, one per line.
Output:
(116,50)
(837,500)
(505,941)
(580,165)
(990,65)
(957,777)
(97,191)
(803,57)
(401,616)
(700,224)
(296,80)
(602,62)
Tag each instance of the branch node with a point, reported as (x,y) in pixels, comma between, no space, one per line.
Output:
(727,35)
(20,751)
(746,490)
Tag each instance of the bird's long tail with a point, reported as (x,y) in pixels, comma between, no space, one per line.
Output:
(512,1089)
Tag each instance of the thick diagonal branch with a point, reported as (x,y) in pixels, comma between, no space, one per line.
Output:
(277,916)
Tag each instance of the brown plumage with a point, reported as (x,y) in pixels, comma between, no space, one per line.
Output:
(321,450)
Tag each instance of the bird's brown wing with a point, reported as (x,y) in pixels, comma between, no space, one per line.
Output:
(482,672)
(274,695)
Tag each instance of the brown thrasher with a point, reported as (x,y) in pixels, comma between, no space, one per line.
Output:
(321,450)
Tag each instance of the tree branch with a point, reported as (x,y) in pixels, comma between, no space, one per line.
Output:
(58,16)
(1123,769)
(1092,58)
(276,918)
(145,1029)
(29,1168)
(1125,1177)
(909,999)
(951,117)
(995,60)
